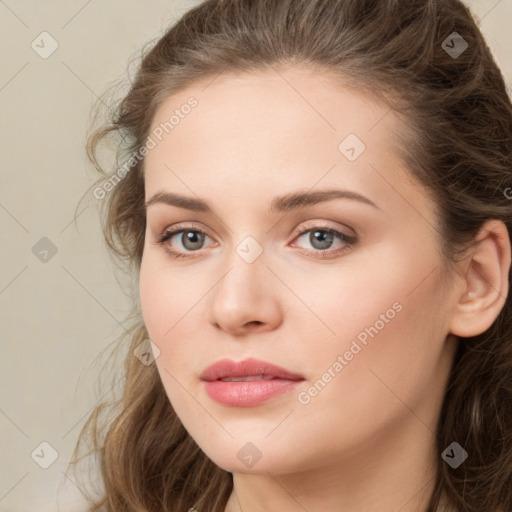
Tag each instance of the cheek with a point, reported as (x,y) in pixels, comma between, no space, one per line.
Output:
(158,297)
(393,372)
(398,360)
(162,308)
(388,332)
(171,304)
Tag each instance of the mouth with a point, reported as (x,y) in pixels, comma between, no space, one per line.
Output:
(247,383)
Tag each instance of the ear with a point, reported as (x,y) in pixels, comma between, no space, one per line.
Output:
(484,288)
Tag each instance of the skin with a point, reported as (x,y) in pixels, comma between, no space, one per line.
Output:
(365,442)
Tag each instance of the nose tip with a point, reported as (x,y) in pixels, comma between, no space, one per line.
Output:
(245,300)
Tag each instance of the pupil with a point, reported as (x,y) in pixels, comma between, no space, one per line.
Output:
(322,238)
(192,237)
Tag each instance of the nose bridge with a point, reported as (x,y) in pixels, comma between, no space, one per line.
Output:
(244,277)
(246,247)
(246,292)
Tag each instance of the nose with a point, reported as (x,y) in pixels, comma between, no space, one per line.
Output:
(246,299)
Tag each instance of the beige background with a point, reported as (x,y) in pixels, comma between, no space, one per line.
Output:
(58,315)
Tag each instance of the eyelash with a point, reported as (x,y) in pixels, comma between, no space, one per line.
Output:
(330,253)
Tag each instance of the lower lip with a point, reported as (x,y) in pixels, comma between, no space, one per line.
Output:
(248,393)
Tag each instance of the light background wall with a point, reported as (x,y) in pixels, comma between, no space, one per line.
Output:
(58,315)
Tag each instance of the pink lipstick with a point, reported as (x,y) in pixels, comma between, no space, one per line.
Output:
(247,383)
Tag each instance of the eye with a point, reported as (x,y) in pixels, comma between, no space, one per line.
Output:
(322,238)
(191,240)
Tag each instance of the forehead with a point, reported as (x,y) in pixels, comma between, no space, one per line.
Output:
(268,106)
(276,131)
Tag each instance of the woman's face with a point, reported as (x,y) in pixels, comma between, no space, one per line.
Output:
(344,291)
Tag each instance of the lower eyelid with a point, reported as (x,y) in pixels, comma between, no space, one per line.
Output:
(347,242)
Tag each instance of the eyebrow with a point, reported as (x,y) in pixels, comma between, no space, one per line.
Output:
(285,203)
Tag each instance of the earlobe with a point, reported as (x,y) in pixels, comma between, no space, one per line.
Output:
(484,289)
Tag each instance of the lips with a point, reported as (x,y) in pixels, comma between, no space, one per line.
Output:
(247,383)
(247,370)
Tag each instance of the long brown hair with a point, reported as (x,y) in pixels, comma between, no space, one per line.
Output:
(458,144)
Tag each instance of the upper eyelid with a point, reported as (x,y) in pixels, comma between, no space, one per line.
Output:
(177,228)
(299,231)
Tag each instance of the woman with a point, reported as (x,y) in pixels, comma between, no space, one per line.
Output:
(340,340)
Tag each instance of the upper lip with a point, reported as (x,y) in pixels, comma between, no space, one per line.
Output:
(226,368)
